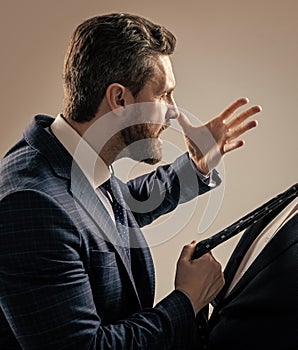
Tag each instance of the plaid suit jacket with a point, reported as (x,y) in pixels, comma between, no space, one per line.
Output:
(63,282)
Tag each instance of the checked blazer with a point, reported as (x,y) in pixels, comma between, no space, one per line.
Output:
(261,311)
(63,281)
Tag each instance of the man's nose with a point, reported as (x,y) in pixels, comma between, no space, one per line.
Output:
(172,112)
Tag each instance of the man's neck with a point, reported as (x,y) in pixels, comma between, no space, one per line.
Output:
(91,131)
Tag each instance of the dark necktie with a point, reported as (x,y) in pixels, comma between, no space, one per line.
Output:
(265,209)
(109,188)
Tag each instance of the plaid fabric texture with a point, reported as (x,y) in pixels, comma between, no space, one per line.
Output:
(63,283)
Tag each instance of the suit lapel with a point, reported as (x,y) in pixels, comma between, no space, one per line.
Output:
(245,242)
(140,269)
(284,238)
(88,200)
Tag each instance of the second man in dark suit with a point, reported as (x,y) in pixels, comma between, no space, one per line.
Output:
(258,306)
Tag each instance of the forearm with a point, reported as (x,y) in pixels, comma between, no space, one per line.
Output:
(166,326)
(72,320)
(161,191)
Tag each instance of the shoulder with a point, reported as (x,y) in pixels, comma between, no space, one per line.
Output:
(24,204)
(33,217)
(36,161)
(22,169)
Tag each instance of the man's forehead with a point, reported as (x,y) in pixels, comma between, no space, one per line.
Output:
(163,77)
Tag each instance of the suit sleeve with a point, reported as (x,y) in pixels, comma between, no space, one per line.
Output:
(45,293)
(159,192)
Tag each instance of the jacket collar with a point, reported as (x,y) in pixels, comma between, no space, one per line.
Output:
(93,167)
(39,137)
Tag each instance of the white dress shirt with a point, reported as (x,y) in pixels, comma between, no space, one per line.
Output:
(93,167)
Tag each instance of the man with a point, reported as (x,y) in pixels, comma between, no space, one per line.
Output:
(76,272)
(258,306)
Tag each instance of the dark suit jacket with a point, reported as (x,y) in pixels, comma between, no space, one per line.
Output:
(261,312)
(63,283)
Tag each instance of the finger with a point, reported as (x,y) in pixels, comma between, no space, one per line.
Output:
(231,146)
(233,107)
(188,251)
(240,130)
(184,122)
(240,118)
(210,253)
(215,259)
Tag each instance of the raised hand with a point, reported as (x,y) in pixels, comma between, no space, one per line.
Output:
(208,143)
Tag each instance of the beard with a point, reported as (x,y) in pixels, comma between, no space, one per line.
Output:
(142,142)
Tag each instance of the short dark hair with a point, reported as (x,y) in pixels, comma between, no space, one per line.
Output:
(114,48)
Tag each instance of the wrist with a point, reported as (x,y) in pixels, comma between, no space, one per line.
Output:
(201,166)
(196,306)
(189,298)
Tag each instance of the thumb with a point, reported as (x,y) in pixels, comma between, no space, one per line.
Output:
(184,122)
(187,251)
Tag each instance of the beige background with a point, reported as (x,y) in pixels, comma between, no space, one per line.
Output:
(226,49)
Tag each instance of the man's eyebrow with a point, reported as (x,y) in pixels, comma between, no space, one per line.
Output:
(164,89)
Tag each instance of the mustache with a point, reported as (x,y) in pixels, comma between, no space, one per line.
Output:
(162,126)
(148,129)
(165,126)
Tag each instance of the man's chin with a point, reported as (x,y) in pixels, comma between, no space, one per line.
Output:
(147,151)
(151,161)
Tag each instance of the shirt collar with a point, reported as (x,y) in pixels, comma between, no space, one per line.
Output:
(94,168)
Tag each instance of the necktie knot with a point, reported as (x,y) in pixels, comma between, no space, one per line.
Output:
(106,185)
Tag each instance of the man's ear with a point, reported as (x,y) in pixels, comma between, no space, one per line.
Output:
(116,96)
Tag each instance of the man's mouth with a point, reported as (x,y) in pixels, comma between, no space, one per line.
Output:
(163,128)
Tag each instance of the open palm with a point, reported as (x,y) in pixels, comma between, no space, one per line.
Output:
(208,143)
